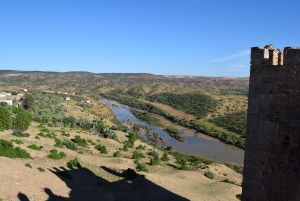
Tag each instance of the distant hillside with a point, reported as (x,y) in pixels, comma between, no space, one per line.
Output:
(132,83)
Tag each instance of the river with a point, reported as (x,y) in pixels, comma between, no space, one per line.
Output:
(195,143)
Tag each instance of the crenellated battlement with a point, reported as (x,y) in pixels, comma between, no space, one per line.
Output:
(271,56)
(272,162)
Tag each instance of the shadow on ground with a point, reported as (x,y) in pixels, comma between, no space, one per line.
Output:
(86,186)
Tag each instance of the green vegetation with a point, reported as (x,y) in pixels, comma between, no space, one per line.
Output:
(209,174)
(132,137)
(14,118)
(235,122)
(101,148)
(35,147)
(54,154)
(41,169)
(117,154)
(141,167)
(70,145)
(228,181)
(17,141)
(7,149)
(21,119)
(237,168)
(201,126)
(174,132)
(79,141)
(189,162)
(74,163)
(28,165)
(154,161)
(195,104)
(165,157)
(145,116)
(5,120)
(19,133)
(58,143)
(137,155)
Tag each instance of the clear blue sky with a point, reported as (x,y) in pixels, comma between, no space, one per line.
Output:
(191,37)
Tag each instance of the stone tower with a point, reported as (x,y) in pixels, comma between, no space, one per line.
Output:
(272,157)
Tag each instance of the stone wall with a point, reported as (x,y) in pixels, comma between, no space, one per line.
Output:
(272,156)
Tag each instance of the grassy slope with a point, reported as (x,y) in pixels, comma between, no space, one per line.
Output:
(92,159)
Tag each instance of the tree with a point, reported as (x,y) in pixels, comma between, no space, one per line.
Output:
(28,102)
(21,119)
(5,118)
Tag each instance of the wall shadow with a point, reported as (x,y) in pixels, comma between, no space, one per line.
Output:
(86,186)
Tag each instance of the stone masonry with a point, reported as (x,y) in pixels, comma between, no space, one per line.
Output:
(272,156)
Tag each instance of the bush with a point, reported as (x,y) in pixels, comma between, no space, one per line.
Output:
(209,174)
(165,157)
(237,168)
(125,147)
(64,133)
(154,161)
(19,133)
(74,163)
(21,119)
(137,155)
(228,181)
(132,137)
(101,148)
(153,153)
(35,147)
(70,145)
(117,154)
(8,150)
(140,147)
(141,167)
(5,119)
(41,169)
(28,165)
(54,154)
(79,141)
(17,141)
(58,143)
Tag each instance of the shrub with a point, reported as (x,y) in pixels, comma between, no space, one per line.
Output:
(237,168)
(132,137)
(17,141)
(28,165)
(101,148)
(41,169)
(154,161)
(140,147)
(35,147)
(79,141)
(125,147)
(19,133)
(141,167)
(70,145)
(153,153)
(74,163)
(117,154)
(21,119)
(165,157)
(58,143)
(54,154)
(8,150)
(137,155)
(64,133)
(228,181)
(209,174)
(5,119)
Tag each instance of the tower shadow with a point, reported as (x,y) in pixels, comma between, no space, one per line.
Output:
(86,186)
